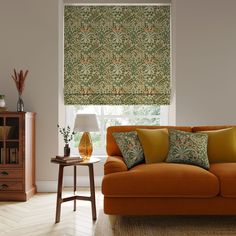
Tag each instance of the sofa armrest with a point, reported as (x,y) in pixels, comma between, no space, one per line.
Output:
(114,164)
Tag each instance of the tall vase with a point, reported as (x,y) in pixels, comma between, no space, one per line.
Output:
(20,104)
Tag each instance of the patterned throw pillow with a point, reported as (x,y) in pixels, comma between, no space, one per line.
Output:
(130,147)
(188,148)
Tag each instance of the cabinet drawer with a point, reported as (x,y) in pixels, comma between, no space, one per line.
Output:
(11,174)
(10,186)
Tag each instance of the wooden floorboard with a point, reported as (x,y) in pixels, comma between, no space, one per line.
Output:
(36,217)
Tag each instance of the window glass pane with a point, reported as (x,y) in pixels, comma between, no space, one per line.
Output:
(146,110)
(132,121)
(88,109)
(113,122)
(114,110)
(145,121)
(132,110)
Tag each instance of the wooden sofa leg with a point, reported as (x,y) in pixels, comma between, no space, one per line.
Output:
(112,219)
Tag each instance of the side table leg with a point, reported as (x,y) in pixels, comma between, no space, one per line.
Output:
(59,193)
(74,187)
(92,191)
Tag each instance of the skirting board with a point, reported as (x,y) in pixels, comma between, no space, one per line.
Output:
(51,186)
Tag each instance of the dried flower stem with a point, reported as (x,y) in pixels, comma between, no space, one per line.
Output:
(19,79)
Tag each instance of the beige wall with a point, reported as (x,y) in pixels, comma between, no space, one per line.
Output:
(29,40)
(204,66)
(205,44)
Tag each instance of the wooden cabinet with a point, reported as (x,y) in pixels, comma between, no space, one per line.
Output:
(17,156)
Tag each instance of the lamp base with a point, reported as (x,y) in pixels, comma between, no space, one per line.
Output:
(85,146)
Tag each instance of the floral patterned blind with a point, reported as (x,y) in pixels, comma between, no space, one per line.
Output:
(117,55)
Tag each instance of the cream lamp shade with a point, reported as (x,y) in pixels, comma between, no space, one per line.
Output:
(86,123)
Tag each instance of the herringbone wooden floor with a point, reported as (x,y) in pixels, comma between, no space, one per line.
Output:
(36,217)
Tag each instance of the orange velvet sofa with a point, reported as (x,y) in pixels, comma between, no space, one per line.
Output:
(166,188)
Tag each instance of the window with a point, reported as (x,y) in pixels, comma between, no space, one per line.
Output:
(115,115)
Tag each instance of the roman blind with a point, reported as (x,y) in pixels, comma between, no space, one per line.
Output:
(117,55)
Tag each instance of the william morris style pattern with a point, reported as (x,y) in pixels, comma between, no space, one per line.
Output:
(189,148)
(117,55)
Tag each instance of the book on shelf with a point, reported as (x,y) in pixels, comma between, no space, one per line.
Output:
(61,159)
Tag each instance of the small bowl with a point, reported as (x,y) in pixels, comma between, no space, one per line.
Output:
(7,131)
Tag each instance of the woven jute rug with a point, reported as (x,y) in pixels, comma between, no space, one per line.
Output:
(166,226)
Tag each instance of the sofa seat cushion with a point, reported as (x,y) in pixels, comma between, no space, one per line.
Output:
(226,172)
(161,180)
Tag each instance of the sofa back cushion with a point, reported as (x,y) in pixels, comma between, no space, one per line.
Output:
(210,127)
(112,147)
(155,143)
(221,145)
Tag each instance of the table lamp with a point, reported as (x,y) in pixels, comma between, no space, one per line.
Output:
(86,123)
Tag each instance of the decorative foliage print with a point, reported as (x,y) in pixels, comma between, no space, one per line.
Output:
(117,55)
(188,148)
(130,147)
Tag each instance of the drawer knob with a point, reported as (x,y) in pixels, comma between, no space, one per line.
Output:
(3,186)
(4,173)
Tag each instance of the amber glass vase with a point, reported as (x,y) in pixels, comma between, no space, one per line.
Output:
(85,146)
